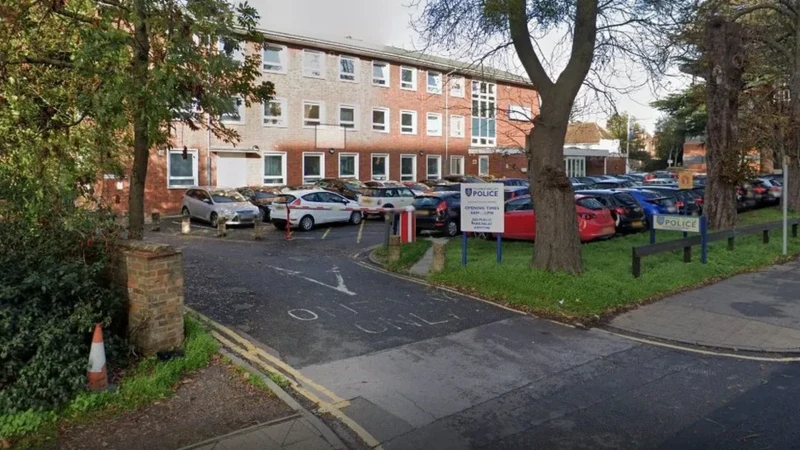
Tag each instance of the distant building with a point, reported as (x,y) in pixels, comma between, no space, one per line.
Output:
(694,157)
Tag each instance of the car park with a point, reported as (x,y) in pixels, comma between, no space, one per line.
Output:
(628,214)
(660,182)
(418,188)
(515,191)
(387,197)
(463,179)
(684,199)
(439,211)
(447,187)
(653,202)
(261,196)
(594,220)
(614,184)
(347,187)
(211,204)
(513,181)
(770,190)
(307,208)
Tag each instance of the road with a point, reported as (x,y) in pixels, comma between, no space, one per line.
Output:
(421,367)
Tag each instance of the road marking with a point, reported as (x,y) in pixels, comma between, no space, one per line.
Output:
(325,234)
(340,287)
(360,231)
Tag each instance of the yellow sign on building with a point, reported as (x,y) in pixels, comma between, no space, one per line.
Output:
(685,180)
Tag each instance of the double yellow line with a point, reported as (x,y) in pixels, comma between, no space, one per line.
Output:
(324,398)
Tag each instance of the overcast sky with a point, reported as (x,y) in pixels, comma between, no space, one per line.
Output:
(387,22)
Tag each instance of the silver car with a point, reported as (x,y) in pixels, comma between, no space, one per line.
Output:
(212,203)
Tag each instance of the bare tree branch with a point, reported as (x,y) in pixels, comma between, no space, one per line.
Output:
(520,36)
(777,7)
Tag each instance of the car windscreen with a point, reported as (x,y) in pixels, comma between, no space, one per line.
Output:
(626,199)
(589,203)
(447,188)
(262,194)
(285,198)
(353,185)
(373,192)
(427,202)
(227,197)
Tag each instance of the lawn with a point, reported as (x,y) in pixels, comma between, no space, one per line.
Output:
(607,285)
(409,255)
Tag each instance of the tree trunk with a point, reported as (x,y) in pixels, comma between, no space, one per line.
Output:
(792,195)
(558,245)
(141,140)
(723,49)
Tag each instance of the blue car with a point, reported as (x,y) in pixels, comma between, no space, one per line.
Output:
(653,202)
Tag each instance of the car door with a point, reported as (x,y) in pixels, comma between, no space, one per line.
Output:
(204,205)
(405,197)
(520,222)
(338,202)
(315,200)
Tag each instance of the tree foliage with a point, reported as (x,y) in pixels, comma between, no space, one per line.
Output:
(617,125)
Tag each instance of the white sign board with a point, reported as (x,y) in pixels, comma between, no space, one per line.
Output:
(482,207)
(676,223)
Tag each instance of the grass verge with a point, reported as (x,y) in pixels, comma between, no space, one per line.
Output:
(148,381)
(607,286)
(409,255)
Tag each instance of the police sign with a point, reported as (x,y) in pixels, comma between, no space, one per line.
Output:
(677,223)
(482,208)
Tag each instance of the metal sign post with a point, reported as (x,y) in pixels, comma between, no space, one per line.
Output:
(482,211)
(784,204)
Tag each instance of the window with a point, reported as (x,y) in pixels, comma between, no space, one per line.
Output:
(312,113)
(520,113)
(347,68)
(380,167)
(348,165)
(380,120)
(434,82)
(575,166)
(457,126)
(380,73)
(347,116)
(182,172)
(408,168)
(408,78)
(434,124)
(313,167)
(274,58)
(275,168)
(434,167)
(456,165)
(408,122)
(230,49)
(483,166)
(483,113)
(234,114)
(457,86)
(275,113)
(313,64)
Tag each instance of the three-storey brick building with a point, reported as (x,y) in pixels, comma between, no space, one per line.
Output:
(350,109)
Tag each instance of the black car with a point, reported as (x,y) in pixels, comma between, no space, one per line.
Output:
(261,196)
(513,181)
(447,187)
(685,199)
(628,214)
(348,188)
(439,211)
(614,184)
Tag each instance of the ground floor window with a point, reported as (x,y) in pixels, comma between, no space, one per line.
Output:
(575,166)
(182,168)
(408,168)
(483,166)
(348,165)
(434,167)
(313,167)
(380,167)
(456,165)
(275,168)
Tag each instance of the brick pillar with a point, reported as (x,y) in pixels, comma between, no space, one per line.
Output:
(152,275)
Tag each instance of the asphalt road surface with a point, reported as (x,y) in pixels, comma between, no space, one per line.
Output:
(426,368)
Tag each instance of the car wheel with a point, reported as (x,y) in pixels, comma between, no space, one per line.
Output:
(185,212)
(306,223)
(355,218)
(214,220)
(451,229)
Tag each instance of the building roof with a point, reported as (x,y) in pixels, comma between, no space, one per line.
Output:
(388,53)
(586,133)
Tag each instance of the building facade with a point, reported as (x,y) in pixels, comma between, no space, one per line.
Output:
(346,109)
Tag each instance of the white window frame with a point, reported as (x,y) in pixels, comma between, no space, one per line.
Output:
(191,153)
(284,172)
(387,79)
(355,166)
(453,159)
(311,72)
(456,92)
(371,167)
(575,166)
(438,158)
(436,89)
(283,118)
(387,125)
(355,116)
(413,176)
(321,167)
(284,58)
(437,116)
(242,110)
(355,69)
(237,54)
(520,113)
(413,122)
(481,98)
(413,81)
(480,172)
(454,130)
(321,113)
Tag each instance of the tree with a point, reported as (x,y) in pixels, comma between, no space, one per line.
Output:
(150,63)
(617,125)
(599,32)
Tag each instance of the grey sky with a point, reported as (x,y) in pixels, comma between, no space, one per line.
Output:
(387,22)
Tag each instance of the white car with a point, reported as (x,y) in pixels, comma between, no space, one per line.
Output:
(212,203)
(387,197)
(301,214)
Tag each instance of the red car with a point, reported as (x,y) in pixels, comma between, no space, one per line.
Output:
(594,220)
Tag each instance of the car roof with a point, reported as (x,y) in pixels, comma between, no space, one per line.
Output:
(599,192)
(302,192)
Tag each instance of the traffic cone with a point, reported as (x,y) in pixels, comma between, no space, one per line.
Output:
(97,376)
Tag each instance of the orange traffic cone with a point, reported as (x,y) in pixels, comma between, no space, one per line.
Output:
(97,376)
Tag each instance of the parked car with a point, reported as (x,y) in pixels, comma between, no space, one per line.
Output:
(463,179)
(375,183)
(346,187)
(431,182)
(387,197)
(306,219)
(769,189)
(745,197)
(515,191)
(653,202)
(261,196)
(416,187)
(213,203)
(513,181)
(660,182)
(439,211)
(684,200)
(447,187)
(594,220)
(627,212)
(585,182)
(614,184)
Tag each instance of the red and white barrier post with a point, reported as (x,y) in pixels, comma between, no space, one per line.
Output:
(408,225)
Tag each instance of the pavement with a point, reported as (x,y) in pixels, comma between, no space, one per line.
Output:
(292,433)
(757,312)
(422,267)
(409,366)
